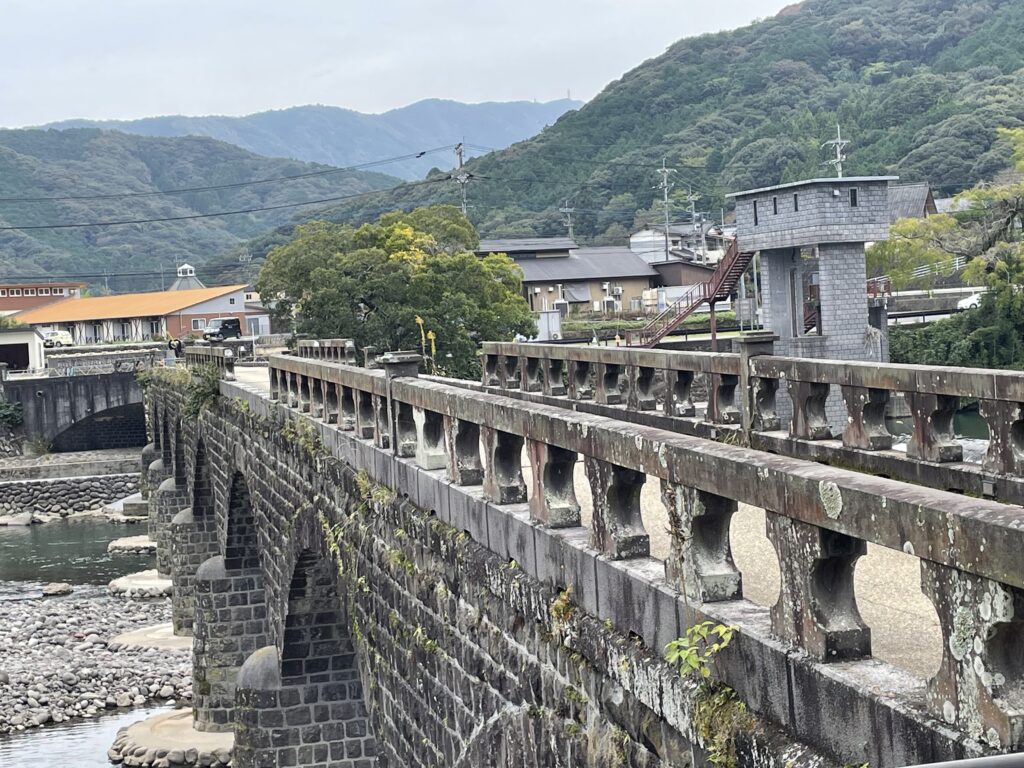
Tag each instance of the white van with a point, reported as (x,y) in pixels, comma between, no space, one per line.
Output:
(58,339)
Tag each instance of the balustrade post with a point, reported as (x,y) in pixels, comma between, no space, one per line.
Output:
(980,679)
(817,607)
(370,357)
(275,383)
(581,380)
(404,431)
(530,374)
(553,493)
(346,408)
(332,412)
(618,528)
(810,422)
(397,417)
(757,408)
(609,383)
(722,398)
(865,425)
(350,352)
(553,382)
(933,438)
(429,439)
(365,414)
(510,371)
(489,370)
(678,400)
(462,440)
(316,398)
(700,562)
(642,381)
(503,470)
(1005,420)
(303,387)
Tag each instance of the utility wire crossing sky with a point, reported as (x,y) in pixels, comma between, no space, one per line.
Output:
(125,59)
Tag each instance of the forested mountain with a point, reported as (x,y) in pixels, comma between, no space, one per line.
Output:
(342,137)
(919,87)
(87,163)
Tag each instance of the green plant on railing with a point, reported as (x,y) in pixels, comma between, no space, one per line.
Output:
(10,414)
(718,713)
(202,389)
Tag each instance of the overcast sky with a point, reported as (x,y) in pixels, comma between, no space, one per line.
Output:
(134,58)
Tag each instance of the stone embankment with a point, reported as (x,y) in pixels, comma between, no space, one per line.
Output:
(54,498)
(57,663)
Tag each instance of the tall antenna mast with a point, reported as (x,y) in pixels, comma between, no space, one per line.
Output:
(461,178)
(839,144)
(568,215)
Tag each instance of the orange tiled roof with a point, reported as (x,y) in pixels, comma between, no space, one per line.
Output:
(153,304)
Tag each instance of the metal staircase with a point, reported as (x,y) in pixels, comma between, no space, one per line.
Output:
(720,287)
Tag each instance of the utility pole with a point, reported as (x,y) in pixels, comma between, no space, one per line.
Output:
(461,178)
(839,144)
(568,215)
(665,187)
(692,200)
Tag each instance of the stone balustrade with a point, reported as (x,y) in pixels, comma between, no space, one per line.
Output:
(338,350)
(819,518)
(780,404)
(223,358)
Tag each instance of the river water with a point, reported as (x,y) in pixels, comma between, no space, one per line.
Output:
(72,551)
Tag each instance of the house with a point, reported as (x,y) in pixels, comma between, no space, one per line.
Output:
(144,316)
(20,296)
(558,273)
(21,348)
(704,242)
(911,201)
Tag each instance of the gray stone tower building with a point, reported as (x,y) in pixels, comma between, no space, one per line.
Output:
(811,236)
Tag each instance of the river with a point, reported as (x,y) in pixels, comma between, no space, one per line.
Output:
(72,551)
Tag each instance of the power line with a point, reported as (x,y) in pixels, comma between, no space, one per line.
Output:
(235,185)
(189,217)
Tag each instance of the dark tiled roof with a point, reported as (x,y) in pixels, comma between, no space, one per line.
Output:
(606,263)
(908,201)
(527,245)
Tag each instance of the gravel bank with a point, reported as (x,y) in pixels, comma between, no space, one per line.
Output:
(57,666)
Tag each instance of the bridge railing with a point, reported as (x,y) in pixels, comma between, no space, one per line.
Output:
(780,403)
(819,520)
(338,350)
(223,358)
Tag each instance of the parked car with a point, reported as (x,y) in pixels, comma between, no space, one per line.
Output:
(221,328)
(970,302)
(58,339)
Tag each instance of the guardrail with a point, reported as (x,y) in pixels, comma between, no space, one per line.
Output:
(819,519)
(779,403)
(221,357)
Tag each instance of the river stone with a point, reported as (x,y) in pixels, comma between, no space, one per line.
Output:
(5,679)
(22,518)
(57,588)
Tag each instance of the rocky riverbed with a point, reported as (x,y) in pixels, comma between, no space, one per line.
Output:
(58,664)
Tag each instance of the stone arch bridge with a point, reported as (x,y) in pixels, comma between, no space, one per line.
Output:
(371,579)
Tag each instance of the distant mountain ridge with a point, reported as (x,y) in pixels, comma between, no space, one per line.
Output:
(343,137)
(104,176)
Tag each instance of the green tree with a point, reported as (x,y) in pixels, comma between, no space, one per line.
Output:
(914,243)
(371,283)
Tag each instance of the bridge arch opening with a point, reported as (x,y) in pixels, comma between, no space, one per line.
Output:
(202,490)
(241,545)
(120,427)
(180,472)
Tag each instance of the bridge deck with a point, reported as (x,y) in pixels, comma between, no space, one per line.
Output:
(904,626)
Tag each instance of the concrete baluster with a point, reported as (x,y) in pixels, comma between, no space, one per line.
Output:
(405,431)
(489,367)
(642,382)
(810,421)
(978,685)
(503,466)
(933,438)
(530,374)
(381,421)
(347,409)
(462,439)
(366,421)
(865,424)
(554,383)
(553,494)
(430,452)
(764,416)
(581,380)
(618,529)
(304,386)
(678,400)
(817,609)
(331,412)
(699,561)
(609,383)
(510,371)
(722,406)
(293,389)
(1005,420)
(275,383)
(316,398)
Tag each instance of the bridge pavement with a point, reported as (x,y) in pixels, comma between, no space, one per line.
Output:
(904,626)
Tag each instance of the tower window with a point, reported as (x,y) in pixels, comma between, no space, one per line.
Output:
(796,203)
(775,206)
(755,213)
(853,198)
